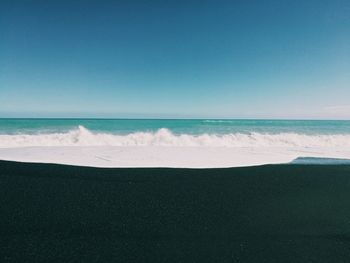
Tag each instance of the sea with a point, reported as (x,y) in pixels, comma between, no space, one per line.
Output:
(190,143)
(173,132)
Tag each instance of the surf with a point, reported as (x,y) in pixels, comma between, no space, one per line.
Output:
(81,136)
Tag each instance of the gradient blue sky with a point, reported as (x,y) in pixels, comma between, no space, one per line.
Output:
(225,59)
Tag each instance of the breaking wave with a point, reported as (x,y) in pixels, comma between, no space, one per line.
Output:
(164,137)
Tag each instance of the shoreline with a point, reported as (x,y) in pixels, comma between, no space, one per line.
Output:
(171,157)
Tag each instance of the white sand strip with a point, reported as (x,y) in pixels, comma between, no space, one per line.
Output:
(162,156)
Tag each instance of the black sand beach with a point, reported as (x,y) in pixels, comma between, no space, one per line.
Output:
(273,213)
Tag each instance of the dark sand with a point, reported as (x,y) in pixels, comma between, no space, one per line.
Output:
(273,213)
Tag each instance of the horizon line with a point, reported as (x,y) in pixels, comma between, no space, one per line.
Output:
(184,118)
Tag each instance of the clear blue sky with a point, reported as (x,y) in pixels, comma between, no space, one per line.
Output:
(238,59)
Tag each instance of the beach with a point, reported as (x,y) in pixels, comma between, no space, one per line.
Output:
(174,131)
(270,213)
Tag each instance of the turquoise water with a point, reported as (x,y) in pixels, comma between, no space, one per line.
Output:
(193,127)
(321,161)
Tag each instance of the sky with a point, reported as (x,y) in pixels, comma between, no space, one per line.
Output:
(175,59)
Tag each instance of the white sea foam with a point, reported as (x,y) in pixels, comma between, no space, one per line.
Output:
(163,137)
(162,156)
(165,149)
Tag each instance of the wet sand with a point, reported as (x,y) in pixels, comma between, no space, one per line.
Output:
(271,213)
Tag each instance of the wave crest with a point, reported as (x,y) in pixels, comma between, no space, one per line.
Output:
(164,137)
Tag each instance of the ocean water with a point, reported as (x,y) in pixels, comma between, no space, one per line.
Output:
(161,132)
(176,126)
